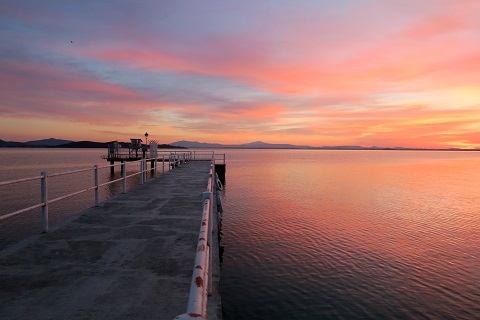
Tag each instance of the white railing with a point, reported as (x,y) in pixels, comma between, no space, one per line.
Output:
(44,178)
(207,155)
(201,283)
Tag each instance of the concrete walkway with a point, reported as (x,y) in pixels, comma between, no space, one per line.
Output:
(131,258)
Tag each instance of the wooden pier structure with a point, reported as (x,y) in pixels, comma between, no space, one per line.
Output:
(129,258)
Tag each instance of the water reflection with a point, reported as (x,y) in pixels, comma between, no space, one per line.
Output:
(351,235)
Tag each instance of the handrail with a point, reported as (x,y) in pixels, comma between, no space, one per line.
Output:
(4,183)
(201,283)
(43,177)
(123,153)
(8,215)
(207,155)
(69,172)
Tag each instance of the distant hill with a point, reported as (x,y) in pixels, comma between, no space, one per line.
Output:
(58,143)
(50,142)
(257,145)
(91,144)
(251,145)
(195,144)
(264,145)
(84,144)
(45,143)
(11,144)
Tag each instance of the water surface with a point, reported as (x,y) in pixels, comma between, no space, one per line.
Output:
(315,234)
(351,235)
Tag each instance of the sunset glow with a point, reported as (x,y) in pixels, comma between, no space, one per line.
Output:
(318,73)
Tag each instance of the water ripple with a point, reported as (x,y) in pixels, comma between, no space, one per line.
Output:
(353,240)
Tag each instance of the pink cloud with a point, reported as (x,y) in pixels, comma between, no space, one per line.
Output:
(33,90)
(324,73)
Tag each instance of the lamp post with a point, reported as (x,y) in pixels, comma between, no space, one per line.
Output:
(146,138)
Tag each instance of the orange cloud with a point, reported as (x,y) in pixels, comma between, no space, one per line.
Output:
(318,73)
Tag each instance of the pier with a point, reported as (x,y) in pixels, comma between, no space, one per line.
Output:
(132,257)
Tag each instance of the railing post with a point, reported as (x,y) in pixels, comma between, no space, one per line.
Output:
(144,173)
(124,176)
(96,184)
(163,164)
(141,171)
(44,200)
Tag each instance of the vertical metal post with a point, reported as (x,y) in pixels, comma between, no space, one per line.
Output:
(163,164)
(141,171)
(95,171)
(145,170)
(124,176)
(44,200)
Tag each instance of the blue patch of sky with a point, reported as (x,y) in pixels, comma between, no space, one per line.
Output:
(183,87)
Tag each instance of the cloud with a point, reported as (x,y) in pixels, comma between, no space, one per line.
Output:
(322,72)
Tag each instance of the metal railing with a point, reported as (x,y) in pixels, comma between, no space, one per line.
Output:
(44,178)
(207,155)
(201,283)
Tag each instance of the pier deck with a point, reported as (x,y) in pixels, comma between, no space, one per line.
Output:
(130,258)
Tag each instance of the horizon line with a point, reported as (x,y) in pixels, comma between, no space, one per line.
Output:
(267,146)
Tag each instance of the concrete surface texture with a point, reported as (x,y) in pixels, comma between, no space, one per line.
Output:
(130,258)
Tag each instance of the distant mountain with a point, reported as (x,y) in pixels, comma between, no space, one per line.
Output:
(11,144)
(348,148)
(84,144)
(50,142)
(58,143)
(195,144)
(264,145)
(91,144)
(251,145)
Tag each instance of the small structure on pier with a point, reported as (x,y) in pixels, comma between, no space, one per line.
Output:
(113,149)
(118,152)
(134,146)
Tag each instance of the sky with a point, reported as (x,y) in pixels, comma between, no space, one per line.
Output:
(381,73)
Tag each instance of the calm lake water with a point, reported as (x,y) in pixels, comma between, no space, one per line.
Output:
(351,235)
(327,234)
